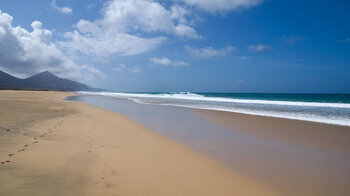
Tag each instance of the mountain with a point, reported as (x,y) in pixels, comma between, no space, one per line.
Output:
(42,81)
(9,82)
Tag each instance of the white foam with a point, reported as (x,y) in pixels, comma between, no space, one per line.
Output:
(196,97)
(199,103)
(286,115)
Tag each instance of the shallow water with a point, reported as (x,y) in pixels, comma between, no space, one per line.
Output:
(321,108)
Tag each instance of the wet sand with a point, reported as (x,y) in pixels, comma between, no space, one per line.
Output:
(309,134)
(49,146)
(305,158)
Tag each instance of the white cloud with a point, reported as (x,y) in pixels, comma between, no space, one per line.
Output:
(167,62)
(63,10)
(259,47)
(120,67)
(90,6)
(119,30)
(161,61)
(94,73)
(105,43)
(215,6)
(24,53)
(209,52)
(135,70)
(179,14)
(245,57)
(147,16)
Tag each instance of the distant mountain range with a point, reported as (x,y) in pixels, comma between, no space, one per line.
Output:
(42,81)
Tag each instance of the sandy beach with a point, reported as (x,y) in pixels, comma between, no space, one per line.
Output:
(304,133)
(49,146)
(313,159)
(174,98)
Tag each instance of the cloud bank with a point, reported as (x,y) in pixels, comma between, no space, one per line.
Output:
(125,28)
(25,53)
(118,31)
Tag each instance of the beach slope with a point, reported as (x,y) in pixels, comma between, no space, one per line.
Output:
(49,146)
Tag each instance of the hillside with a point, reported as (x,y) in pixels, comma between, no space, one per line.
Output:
(42,81)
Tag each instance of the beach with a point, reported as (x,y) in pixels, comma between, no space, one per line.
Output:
(50,146)
(290,157)
(316,160)
(53,146)
(302,133)
(174,98)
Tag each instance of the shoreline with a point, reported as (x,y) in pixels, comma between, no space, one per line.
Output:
(88,150)
(308,158)
(299,132)
(332,113)
(256,149)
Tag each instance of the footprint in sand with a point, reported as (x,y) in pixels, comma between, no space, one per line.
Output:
(10,155)
(21,150)
(100,180)
(26,145)
(8,130)
(104,183)
(3,162)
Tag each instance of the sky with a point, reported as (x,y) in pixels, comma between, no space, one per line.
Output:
(242,46)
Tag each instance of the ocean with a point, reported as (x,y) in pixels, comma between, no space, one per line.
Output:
(321,108)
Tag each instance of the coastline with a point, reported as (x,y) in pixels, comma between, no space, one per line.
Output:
(319,108)
(58,147)
(291,157)
(309,159)
(298,132)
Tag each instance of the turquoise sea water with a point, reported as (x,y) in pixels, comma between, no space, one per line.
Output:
(322,108)
(323,98)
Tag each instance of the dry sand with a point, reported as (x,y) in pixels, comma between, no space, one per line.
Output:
(49,146)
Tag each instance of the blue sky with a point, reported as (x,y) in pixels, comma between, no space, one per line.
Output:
(181,45)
